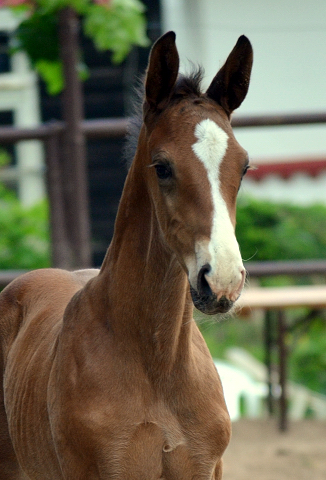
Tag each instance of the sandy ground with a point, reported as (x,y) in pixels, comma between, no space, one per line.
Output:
(258,451)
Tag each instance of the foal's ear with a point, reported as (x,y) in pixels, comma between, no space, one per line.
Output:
(230,85)
(161,73)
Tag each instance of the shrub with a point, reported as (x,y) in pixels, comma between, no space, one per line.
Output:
(24,233)
(269,231)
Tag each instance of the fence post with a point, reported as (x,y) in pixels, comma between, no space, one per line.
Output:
(282,370)
(73,151)
(269,340)
(61,256)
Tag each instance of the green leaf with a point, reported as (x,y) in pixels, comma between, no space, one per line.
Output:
(117,27)
(51,73)
(4,157)
(53,6)
(38,36)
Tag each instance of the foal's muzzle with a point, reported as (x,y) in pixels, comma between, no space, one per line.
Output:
(204,299)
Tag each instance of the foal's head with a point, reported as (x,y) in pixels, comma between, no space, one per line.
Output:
(194,166)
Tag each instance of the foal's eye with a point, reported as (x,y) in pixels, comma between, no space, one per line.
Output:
(245,170)
(163,171)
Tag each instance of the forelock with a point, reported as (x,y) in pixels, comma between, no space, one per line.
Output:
(187,85)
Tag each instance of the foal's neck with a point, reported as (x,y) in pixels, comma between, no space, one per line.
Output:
(147,290)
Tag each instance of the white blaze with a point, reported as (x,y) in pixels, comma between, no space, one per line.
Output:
(222,251)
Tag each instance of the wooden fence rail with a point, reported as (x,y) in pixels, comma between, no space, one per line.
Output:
(117,127)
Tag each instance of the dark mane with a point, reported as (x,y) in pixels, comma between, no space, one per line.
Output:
(134,123)
(186,86)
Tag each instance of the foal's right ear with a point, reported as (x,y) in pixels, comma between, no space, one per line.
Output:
(162,72)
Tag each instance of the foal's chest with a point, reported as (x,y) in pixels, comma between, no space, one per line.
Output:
(163,448)
(152,455)
(130,428)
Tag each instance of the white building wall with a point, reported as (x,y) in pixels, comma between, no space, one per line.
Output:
(289,72)
(300,189)
(19,94)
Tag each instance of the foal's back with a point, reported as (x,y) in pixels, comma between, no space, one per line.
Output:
(31,312)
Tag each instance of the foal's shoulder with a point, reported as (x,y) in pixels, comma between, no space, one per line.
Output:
(37,296)
(47,282)
(83,276)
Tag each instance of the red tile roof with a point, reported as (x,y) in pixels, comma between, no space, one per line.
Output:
(286,169)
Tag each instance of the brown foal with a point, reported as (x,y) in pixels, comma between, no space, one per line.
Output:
(105,373)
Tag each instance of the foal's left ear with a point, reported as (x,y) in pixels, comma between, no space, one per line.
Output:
(230,85)
(161,73)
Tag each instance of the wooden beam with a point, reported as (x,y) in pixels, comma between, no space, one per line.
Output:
(73,152)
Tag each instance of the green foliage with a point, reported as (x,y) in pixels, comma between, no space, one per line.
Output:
(114,25)
(308,357)
(117,28)
(52,74)
(268,231)
(220,335)
(37,35)
(4,157)
(306,348)
(24,238)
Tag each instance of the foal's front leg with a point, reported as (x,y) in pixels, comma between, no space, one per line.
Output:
(218,471)
(9,466)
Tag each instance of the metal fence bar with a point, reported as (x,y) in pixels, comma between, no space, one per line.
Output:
(7,276)
(105,128)
(117,127)
(271,268)
(42,132)
(279,120)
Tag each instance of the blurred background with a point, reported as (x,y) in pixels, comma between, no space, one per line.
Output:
(282,203)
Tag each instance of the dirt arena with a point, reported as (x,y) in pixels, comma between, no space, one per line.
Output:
(258,451)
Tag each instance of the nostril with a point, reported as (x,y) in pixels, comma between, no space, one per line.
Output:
(202,284)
